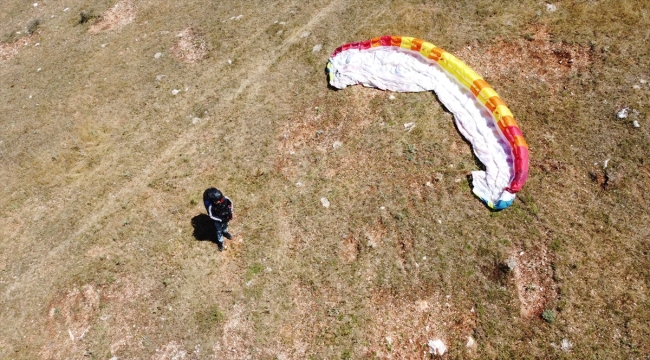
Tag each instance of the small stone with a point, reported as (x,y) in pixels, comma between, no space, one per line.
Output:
(104,45)
(175,92)
(305,34)
(643,81)
(636,124)
(298,184)
(636,86)
(239,17)
(428,184)
(158,55)
(511,264)
(317,48)
(470,341)
(38,70)
(229,62)
(566,345)
(437,347)
(196,120)
(325,202)
(551,8)
(391,97)
(160,77)
(623,113)
(409,126)
(337,144)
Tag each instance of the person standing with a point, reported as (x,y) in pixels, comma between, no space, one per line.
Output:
(219,208)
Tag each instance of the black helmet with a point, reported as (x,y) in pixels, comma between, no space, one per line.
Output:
(212,194)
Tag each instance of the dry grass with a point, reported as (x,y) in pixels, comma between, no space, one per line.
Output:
(102,168)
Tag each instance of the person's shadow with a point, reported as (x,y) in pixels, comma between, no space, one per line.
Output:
(204,228)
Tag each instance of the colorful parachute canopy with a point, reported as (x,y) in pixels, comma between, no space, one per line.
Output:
(406,64)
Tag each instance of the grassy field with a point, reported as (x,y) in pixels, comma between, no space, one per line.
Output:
(115,116)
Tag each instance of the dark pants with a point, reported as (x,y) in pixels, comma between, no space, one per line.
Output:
(221,227)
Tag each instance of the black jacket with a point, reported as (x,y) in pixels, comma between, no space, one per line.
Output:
(221,211)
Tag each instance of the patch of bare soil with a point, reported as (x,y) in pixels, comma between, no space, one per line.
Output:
(70,319)
(9,50)
(74,315)
(191,46)
(534,57)
(349,249)
(533,277)
(403,327)
(121,14)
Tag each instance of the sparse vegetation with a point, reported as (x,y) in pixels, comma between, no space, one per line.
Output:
(102,168)
(548,315)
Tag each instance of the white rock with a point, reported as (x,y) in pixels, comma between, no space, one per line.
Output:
(66,9)
(636,124)
(298,184)
(229,62)
(636,86)
(196,120)
(305,34)
(551,7)
(409,126)
(437,347)
(239,17)
(35,4)
(175,92)
(470,341)
(605,163)
(325,202)
(643,81)
(104,45)
(566,345)
(337,144)
(38,70)
(623,113)
(160,77)
(317,48)
(391,97)
(158,55)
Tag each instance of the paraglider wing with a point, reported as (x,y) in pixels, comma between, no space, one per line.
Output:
(406,64)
